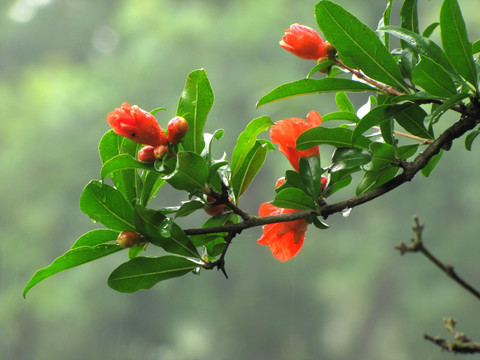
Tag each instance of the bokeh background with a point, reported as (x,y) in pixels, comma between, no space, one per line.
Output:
(64,64)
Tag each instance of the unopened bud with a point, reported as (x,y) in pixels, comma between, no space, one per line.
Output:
(160,151)
(127,239)
(177,128)
(146,154)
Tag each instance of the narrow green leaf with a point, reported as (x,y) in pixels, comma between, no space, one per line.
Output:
(433,78)
(386,129)
(251,164)
(293,198)
(189,207)
(190,173)
(455,41)
(144,272)
(375,117)
(412,120)
(314,86)
(123,162)
(430,29)
(470,138)
(151,184)
(319,224)
(292,179)
(74,257)
(373,179)
(107,205)
(194,105)
(385,20)
(427,170)
(311,171)
(338,180)
(338,137)
(476,47)
(383,156)
(341,115)
(433,117)
(349,158)
(324,64)
(423,46)
(343,102)
(246,140)
(409,17)
(407,151)
(358,43)
(152,224)
(96,237)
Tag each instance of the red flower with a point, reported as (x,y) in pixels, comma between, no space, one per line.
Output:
(303,42)
(285,133)
(284,239)
(137,125)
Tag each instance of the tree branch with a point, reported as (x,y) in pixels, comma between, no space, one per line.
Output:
(461,344)
(418,246)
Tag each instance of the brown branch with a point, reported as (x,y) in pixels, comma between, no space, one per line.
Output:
(418,246)
(461,344)
(410,169)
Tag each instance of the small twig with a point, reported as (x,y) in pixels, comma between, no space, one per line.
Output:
(418,246)
(220,262)
(410,136)
(358,74)
(461,344)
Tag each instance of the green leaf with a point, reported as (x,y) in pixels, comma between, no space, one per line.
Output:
(430,29)
(375,117)
(338,137)
(383,156)
(292,179)
(373,179)
(407,151)
(123,162)
(74,257)
(96,237)
(194,105)
(385,20)
(422,46)
(112,145)
(144,272)
(311,171)
(433,117)
(341,115)
(154,111)
(189,207)
(432,163)
(190,173)
(386,129)
(409,17)
(319,224)
(476,47)
(107,205)
(324,64)
(246,140)
(293,198)
(152,224)
(251,164)
(358,43)
(313,86)
(349,158)
(470,138)
(152,182)
(433,78)
(343,102)
(412,120)
(338,180)
(455,41)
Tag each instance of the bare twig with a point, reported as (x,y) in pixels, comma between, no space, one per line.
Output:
(461,343)
(418,246)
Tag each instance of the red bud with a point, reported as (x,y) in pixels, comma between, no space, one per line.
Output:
(177,128)
(127,239)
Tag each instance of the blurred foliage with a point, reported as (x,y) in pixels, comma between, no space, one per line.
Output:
(65,64)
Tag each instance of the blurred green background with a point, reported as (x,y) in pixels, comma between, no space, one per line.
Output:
(65,64)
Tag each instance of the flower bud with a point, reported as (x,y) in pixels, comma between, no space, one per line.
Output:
(127,239)
(177,128)
(303,42)
(279,182)
(160,151)
(146,154)
(211,209)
